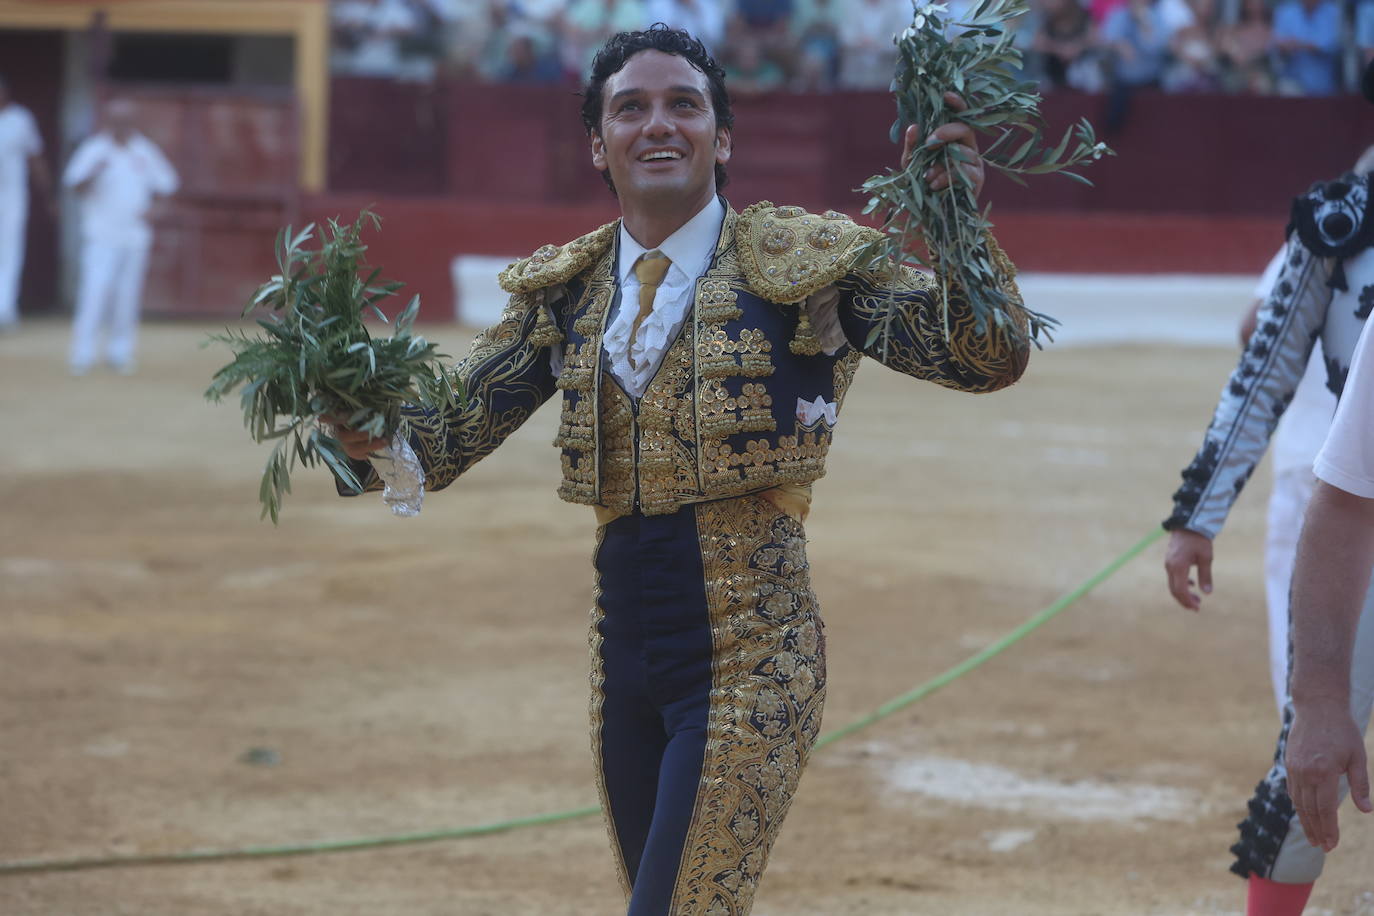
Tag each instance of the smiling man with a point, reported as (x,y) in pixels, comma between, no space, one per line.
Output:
(703,356)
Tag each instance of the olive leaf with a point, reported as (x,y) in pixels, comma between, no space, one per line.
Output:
(974,57)
(315,358)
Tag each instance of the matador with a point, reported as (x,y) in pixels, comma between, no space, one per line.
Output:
(702,356)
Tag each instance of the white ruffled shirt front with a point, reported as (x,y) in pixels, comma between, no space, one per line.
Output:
(633,360)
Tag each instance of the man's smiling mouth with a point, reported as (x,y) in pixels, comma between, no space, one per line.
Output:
(660,155)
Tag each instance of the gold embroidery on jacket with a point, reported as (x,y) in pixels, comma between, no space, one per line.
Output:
(553,264)
(767,693)
(695,404)
(667,460)
(580,421)
(499,358)
(598,701)
(965,359)
(617,450)
(787,254)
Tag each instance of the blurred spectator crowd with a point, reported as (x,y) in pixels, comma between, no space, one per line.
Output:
(1288,47)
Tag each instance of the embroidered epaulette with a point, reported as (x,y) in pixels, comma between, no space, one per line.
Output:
(788,254)
(554,264)
(1334,220)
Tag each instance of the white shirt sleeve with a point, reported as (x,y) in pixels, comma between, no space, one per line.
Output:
(83,162)
(162,178)
(1346,460)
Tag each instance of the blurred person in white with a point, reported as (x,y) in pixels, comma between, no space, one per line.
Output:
(703,18)
(115,174)
(21,160)
(1324,291)
(867,53)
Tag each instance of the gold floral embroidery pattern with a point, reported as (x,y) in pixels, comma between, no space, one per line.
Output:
(794,459)
(505,378)
(719,356)
(557,263)
(667,461)
(580,422)
(844,371)
(723,415)
(916,343)
(767,693)
(617,450)
(781,267)
(598,701)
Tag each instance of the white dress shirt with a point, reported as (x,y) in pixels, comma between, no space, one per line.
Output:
(114,210)
(690,249)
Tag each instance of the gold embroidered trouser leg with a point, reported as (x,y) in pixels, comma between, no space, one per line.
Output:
(708,685)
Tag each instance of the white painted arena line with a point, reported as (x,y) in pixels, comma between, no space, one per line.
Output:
(982,785)
(1109,309)
(1093,309)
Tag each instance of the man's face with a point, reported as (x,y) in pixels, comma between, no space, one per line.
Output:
(658,132)
(120,118)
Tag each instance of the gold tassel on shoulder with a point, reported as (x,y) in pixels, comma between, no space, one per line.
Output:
(805,342)
(545,334)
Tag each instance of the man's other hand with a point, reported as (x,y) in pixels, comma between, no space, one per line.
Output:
(1324,745)
(1186,550)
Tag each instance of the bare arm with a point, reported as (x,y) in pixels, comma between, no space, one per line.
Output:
(1329,583)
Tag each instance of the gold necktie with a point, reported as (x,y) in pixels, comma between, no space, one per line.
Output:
(650,270)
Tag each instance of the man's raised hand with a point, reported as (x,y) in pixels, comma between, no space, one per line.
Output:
(955,133)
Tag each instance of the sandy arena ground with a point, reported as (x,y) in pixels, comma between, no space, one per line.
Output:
(431,673)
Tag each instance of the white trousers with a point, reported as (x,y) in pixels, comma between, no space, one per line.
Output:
(108,302)
(13,221)
(1287,506)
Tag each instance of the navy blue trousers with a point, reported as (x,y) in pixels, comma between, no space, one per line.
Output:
(708,684)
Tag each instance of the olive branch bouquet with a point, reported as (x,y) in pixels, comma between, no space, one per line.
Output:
(973,57)
(317,360)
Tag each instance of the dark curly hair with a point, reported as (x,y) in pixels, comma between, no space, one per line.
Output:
(658,37)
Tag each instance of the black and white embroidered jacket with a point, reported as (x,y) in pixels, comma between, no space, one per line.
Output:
(1325,292)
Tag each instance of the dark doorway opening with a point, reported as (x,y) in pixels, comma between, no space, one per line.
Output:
(31,62)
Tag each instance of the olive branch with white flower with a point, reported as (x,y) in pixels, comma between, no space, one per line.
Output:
(974,58)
